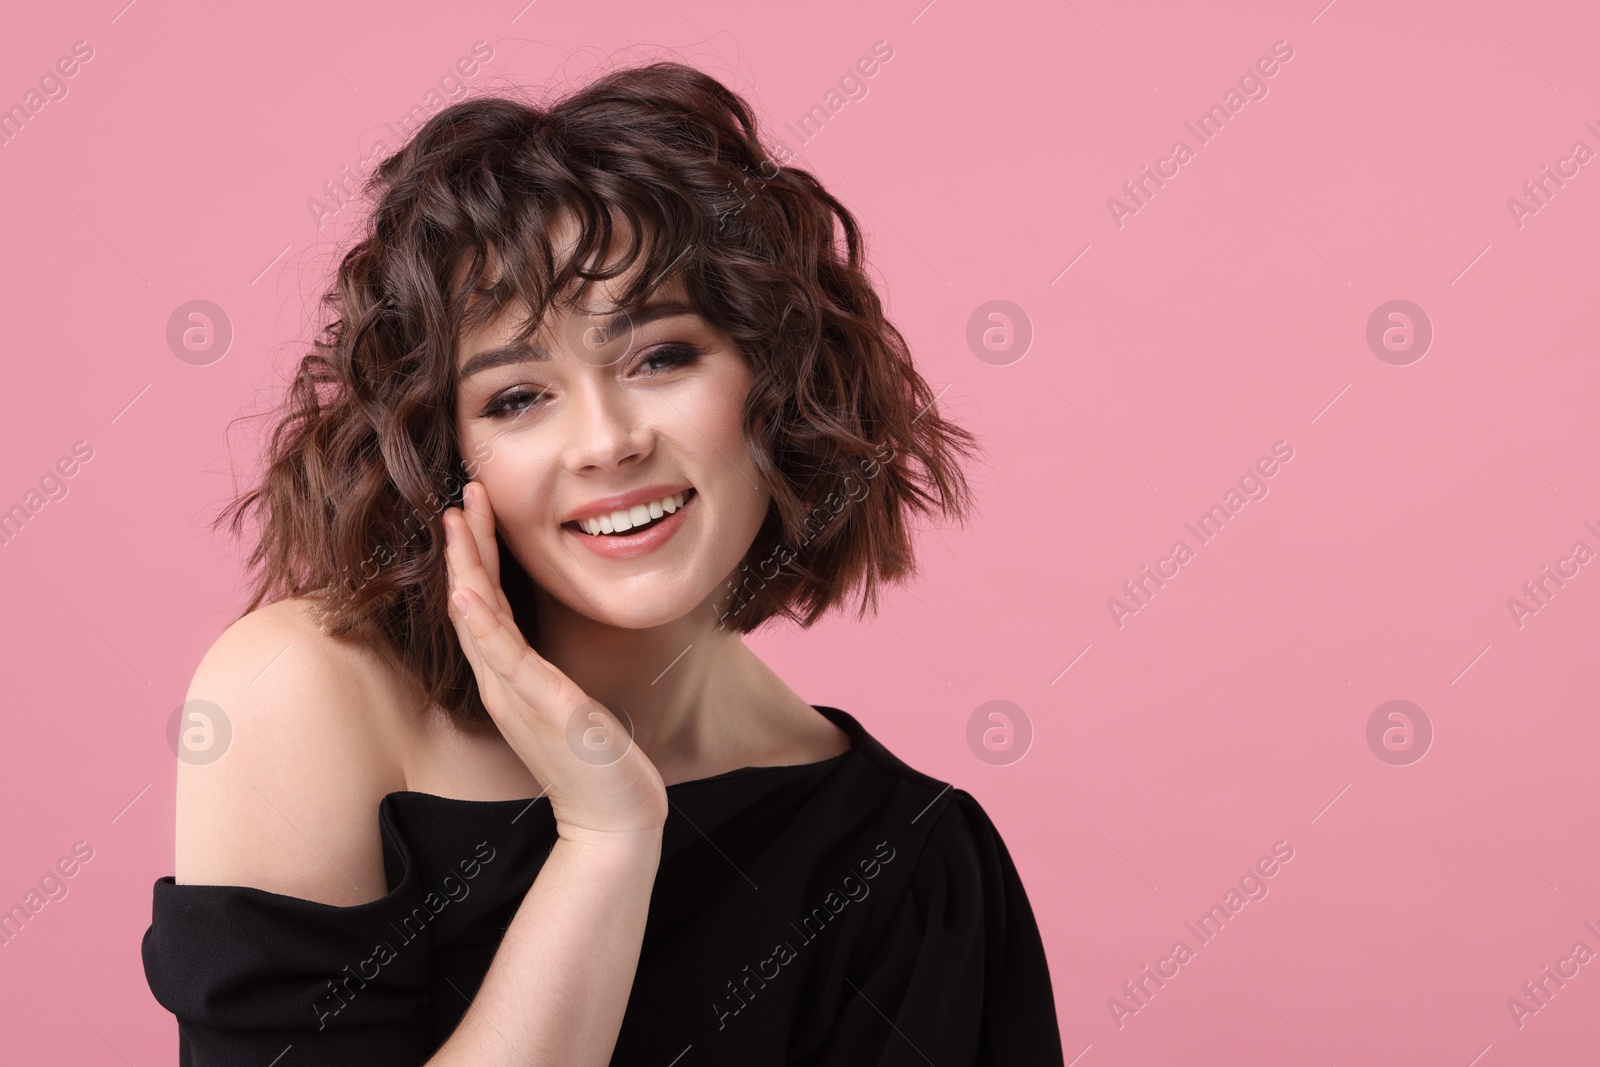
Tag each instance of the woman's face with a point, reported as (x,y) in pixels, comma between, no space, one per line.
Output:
(644,408)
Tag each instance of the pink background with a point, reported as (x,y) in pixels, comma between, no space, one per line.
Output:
(1229,313)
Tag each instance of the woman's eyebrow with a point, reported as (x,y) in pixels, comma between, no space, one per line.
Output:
(502,355)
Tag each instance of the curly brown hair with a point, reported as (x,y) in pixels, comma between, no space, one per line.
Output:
(364,458)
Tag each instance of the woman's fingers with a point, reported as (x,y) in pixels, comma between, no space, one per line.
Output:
(480,520)
(503,651)
(489,636)
(464,559)
(469,646)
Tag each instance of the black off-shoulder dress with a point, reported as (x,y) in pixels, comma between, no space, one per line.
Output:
(847,912)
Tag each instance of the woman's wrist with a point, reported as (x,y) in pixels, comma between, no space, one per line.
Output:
(642,843)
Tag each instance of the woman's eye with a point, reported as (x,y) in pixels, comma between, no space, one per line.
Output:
(668,356)
(511,404)
(519,401)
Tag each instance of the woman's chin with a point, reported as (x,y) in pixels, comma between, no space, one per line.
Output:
(640,616)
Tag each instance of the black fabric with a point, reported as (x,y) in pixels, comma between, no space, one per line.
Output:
(852,911)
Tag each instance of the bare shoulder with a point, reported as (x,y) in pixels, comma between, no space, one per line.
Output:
(287,756)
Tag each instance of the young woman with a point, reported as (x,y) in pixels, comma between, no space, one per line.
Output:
(606,386)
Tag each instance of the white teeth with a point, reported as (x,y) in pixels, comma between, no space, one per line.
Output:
(621,520)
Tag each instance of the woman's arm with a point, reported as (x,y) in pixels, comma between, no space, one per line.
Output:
(559,983)
(560,979)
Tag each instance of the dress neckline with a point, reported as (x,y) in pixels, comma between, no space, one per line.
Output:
(860,743)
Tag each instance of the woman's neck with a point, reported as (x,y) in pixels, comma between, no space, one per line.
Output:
(698,700)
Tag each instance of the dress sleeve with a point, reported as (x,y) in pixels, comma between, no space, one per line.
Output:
(250,974)
(960,970)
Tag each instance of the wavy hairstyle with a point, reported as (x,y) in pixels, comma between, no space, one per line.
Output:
(363,458)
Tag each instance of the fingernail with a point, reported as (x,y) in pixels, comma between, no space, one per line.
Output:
(460,599)
(447,533)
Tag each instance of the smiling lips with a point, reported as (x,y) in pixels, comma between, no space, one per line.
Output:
(621,520)
(627,533)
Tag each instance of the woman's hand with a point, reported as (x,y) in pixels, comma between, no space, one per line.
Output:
(598,781)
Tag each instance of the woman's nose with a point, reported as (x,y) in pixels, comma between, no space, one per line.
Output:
(603,428)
